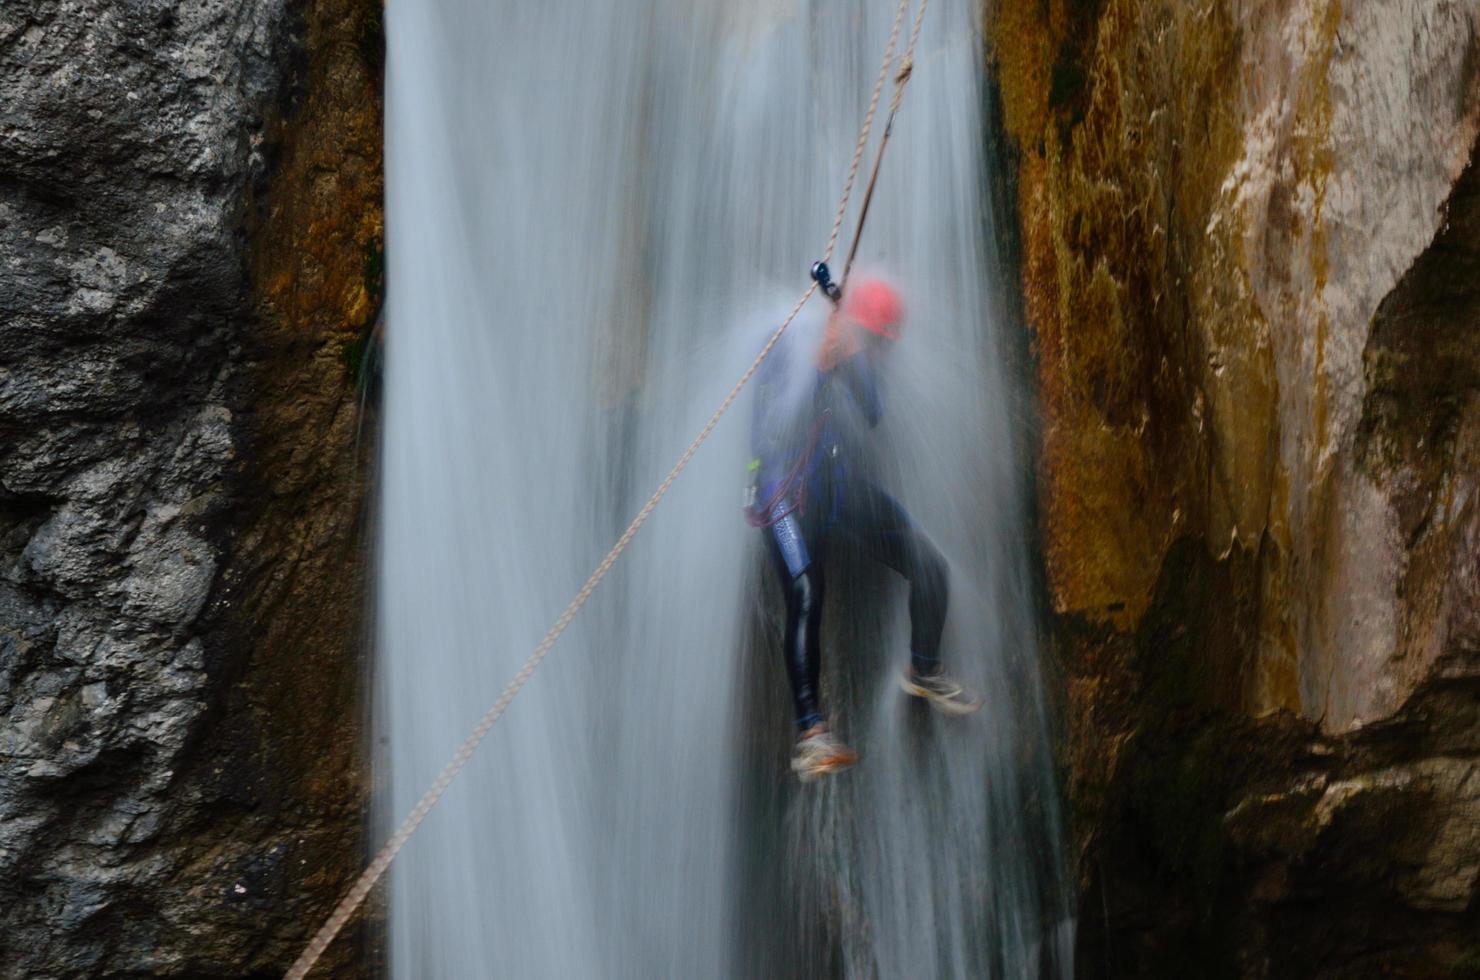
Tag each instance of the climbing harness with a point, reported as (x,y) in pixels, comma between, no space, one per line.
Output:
(792,490)
(373,872)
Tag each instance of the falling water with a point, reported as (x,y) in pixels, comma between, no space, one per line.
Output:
(595,211)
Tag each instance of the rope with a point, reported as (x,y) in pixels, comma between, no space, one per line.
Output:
(373,872)
(901,78)
(868,124)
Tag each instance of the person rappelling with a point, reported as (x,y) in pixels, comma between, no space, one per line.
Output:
(809,486)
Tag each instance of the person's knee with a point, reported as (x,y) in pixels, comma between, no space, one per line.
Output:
(805,592)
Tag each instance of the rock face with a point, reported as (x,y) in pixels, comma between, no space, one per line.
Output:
(180,768)
(1249,232)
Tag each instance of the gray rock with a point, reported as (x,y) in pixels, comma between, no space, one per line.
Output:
(130,135)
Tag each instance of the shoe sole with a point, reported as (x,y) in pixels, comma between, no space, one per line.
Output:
(954,709)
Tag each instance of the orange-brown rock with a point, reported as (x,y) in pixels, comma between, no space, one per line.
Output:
(1248,250)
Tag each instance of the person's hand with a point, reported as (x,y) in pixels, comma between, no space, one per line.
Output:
(840,341)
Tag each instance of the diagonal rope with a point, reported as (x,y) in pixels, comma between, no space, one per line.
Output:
(868,124)
(901,79)
(373,872)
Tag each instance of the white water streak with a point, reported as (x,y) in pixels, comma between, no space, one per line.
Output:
(588,207)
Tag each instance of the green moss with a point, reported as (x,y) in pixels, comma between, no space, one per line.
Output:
(358,352)
(374,270)
(354,353)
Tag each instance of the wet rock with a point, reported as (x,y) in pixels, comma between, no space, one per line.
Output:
(1248,237)
(143,382)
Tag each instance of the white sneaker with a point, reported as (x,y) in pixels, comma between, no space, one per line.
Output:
(948,696)
(819,752)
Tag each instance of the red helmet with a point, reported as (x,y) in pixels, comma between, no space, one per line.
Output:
(875,306)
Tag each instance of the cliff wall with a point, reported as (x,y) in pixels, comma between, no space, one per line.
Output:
(189,243)
(1248,241)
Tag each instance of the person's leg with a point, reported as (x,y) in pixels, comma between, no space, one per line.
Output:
(798,559)
(802,585)
(885,533)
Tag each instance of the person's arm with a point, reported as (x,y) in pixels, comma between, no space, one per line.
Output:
(842,354)
(839,342)
(861,378)
(768,420)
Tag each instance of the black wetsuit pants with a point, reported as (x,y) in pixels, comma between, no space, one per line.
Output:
(881,529)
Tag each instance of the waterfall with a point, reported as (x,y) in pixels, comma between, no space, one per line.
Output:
(594,212)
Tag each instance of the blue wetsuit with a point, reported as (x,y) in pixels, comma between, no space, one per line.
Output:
(807,491)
